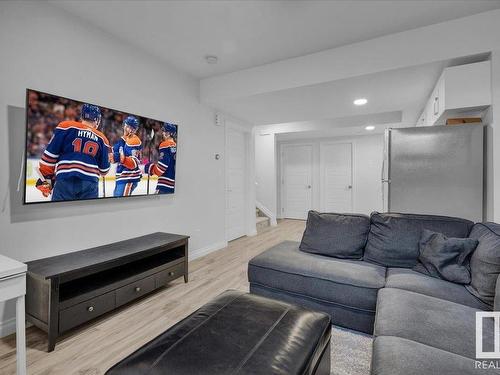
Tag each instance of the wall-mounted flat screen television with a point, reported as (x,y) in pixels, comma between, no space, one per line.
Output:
(79,150)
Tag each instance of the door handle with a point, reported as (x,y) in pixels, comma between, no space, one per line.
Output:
(308,186)
(349,186)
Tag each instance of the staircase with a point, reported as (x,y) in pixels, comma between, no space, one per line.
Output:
(262,221)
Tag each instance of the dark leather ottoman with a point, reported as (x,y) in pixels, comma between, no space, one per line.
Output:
(237,333)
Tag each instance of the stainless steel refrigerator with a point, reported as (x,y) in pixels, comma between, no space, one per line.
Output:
(434,170)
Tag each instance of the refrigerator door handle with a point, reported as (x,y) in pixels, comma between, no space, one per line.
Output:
(382,171)
(382,179)
(385,179)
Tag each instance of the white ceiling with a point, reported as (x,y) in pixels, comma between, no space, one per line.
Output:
(338,127)
(245,34)
(404,90)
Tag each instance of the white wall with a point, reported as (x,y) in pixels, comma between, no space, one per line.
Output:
(488,180)
(265,172)
(47,49)
(367,167)
(494,135)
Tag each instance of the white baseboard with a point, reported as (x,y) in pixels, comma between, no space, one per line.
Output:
(206,250)
(252,233)
(8,327)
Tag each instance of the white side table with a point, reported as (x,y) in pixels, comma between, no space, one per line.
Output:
(13,285)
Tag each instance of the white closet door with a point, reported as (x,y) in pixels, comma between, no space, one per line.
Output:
(336,177)
(297,180)
(235,183)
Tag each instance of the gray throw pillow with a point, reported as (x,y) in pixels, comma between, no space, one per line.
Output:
(445,258)
(485,262)
(336,235)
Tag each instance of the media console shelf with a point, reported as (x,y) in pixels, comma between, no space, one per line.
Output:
(68,290)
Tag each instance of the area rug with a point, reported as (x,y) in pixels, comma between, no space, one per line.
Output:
(351,352)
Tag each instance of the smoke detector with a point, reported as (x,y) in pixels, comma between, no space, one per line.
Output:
(211,59)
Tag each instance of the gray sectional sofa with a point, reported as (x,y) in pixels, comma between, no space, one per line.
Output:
(421,324)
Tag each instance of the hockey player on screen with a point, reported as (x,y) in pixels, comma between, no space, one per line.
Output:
(165,167)
(126,152)
(75,158)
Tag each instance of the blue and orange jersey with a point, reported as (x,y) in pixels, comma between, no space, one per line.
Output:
(76,150)
(130,147)
(165,168)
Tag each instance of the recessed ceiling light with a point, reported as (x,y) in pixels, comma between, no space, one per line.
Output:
(211,59)
(370,127)
(360,101)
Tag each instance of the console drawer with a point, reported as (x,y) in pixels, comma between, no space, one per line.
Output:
(85,311)
(134,290)
(172,273)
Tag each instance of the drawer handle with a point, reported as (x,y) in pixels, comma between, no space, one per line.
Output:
(137,288)
(171,273)
(90,308)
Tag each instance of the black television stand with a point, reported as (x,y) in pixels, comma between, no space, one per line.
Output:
(68,290)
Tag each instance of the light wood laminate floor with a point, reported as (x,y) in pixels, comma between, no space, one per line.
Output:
(94,348)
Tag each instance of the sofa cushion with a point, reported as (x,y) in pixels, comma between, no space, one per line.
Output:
(485,261)
(407,279)
(352,283)
(336,235)
(428,320)
(445,258)
(393,239)
(397,356)
(342,316)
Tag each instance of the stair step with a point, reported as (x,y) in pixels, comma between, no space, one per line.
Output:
(259,213)
(262,222)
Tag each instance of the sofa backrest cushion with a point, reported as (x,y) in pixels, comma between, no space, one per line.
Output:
(336,235)
(394,238)
(485,261)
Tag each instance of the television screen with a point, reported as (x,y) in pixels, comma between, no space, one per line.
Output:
(78,151)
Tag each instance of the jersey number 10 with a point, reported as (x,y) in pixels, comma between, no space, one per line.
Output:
(89,147)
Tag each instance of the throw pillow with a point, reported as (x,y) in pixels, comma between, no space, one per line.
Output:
(445,258)
(485,262)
